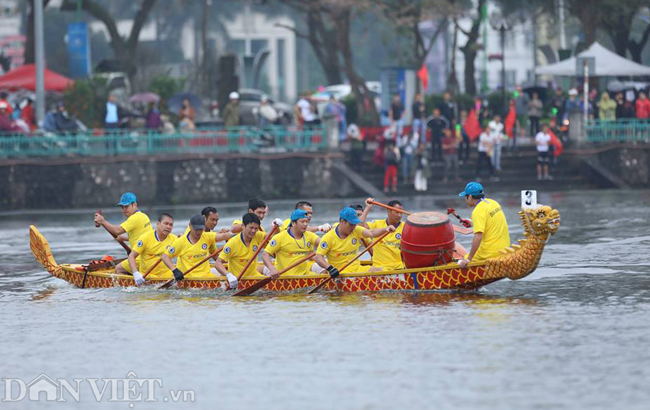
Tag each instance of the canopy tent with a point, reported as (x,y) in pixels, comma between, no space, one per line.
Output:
(607,63)
(24,78)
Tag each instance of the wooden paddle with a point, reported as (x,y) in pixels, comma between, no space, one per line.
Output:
(375,242)
(151,269)
(459,229)
(262,283)
(207,258)
(125,246)
(259,249)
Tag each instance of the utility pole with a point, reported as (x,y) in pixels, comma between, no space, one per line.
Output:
(40,61)
(561,21)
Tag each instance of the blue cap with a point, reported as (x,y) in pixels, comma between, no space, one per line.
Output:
(298,214)
(472,188)
(127,198)
(350,215)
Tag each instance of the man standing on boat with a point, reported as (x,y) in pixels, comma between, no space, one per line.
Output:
(192,248)
(240,249)
(341,244)
(309,210)
(137,223)
(387,254)
(148,249)
(291,245)
(257,207)
(490,226)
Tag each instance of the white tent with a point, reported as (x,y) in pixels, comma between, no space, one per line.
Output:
(607,63)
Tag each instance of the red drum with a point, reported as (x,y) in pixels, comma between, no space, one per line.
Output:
(428,239)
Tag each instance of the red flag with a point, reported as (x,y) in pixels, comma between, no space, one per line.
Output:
(472,126)
(423,75)
(510,121)
(557,144)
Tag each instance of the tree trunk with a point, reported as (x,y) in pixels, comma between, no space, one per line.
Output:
(204,46)
(469,51)
(341,17)
(452,80)
(323,42)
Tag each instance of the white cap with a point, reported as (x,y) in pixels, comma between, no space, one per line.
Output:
(234,95)
(264,97)
(573,91)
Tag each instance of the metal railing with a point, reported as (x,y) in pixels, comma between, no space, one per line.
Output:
(272,139)
(624,130)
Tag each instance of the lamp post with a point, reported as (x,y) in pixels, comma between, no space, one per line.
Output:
(501,24)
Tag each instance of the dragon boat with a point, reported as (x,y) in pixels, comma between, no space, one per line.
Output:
(515,262)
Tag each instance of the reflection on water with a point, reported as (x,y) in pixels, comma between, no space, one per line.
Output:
(572,335)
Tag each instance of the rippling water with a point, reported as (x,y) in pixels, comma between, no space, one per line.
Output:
(575,334)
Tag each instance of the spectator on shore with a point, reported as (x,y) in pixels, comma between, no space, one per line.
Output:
(484,152)
(336,125)
(306,112)
(450,156)
(607,108)
(463,149)
(265,113)
(589,106)
(449,109)
(231,111)
(28,115)
(186,116)
(3,99)
(543,142)
(391,161)
(407,145)
(437,124)
(535,108)
(480,109)
(521,108)
(153,120)
(572,105)
(419,117)
(497,137)
(593,102)
(642,107)
(356,147)
(111,113)
(558,105)
(396,115)
(422,169)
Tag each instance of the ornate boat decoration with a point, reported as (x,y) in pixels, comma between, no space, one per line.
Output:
(515,262)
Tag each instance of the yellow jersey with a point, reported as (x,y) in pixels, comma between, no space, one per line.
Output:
(488,218)
(237,254)
(387,253)
(150,249)
(188,254)
(340,251)
(286,224)
(287,250)
(136,225)
(240,222)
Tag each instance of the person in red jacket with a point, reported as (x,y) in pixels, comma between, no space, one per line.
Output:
(642,106)
(28,115)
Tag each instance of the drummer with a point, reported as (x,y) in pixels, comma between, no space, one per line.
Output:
(387,254)
(340,245)
(490,226)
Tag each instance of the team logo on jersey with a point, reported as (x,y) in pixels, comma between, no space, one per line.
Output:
(354,241)
(309,244)
(398,236)
(226,249)
(139,244)
(273,242)
(172,249)
(204,246)
(254,248)
(323,245)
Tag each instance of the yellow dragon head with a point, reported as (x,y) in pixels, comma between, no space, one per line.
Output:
(540,222)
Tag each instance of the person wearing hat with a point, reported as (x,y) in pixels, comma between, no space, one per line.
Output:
(192,248)
(137,223)
(309,210)
(387,254)
(341,244)
(490,226)
(240,249)
(231,111)
(290,245)
(148,249)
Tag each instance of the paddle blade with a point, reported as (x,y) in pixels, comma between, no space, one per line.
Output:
(462,230)
(254,287)
(317,288)
(166,284)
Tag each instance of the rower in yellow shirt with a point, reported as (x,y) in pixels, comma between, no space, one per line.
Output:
(490,226)
(290,245)
(309,210)
(255,206)
(149,248)
(341,244)
(387,254)
(211,217)
(137,223)
(240,249)
(191,249)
